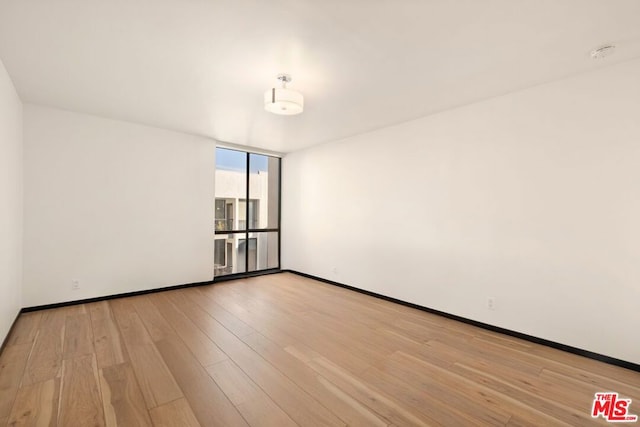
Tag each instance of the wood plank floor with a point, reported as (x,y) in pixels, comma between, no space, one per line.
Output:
(282,350)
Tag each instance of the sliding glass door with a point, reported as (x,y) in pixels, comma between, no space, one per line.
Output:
(247,212)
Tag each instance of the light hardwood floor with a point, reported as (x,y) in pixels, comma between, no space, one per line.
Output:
(282,350)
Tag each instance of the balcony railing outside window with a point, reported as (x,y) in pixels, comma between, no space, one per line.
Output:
(242,224)
(224,224)
(227,224)
(220,270)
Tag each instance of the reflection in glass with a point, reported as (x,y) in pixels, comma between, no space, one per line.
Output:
(266,250)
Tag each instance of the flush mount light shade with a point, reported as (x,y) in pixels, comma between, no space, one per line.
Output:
(282,100)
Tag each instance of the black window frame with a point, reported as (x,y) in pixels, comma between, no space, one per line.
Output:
(247,230)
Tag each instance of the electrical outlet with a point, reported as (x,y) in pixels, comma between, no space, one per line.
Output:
(491,303)
(75,285)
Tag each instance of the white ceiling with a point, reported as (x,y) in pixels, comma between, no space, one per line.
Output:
(201,66)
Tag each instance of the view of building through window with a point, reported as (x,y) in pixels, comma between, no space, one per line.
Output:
(247,212)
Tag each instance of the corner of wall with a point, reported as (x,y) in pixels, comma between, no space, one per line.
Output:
(11,198)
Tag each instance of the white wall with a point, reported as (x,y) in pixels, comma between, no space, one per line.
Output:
(11,164)
(117,206)
(532,198)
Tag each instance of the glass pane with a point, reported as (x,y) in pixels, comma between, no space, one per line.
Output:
(224,212)
(242,254)
(231,187)
(263,191)
(220,253)
(220,212)
(263,251)
(234,258)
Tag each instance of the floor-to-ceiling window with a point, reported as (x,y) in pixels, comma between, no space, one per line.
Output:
(247,212)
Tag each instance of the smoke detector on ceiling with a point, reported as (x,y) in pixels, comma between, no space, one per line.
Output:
(603,51)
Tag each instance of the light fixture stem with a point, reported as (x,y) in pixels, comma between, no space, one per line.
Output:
(284,79)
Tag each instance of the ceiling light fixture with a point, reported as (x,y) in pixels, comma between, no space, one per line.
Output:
(282,100)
